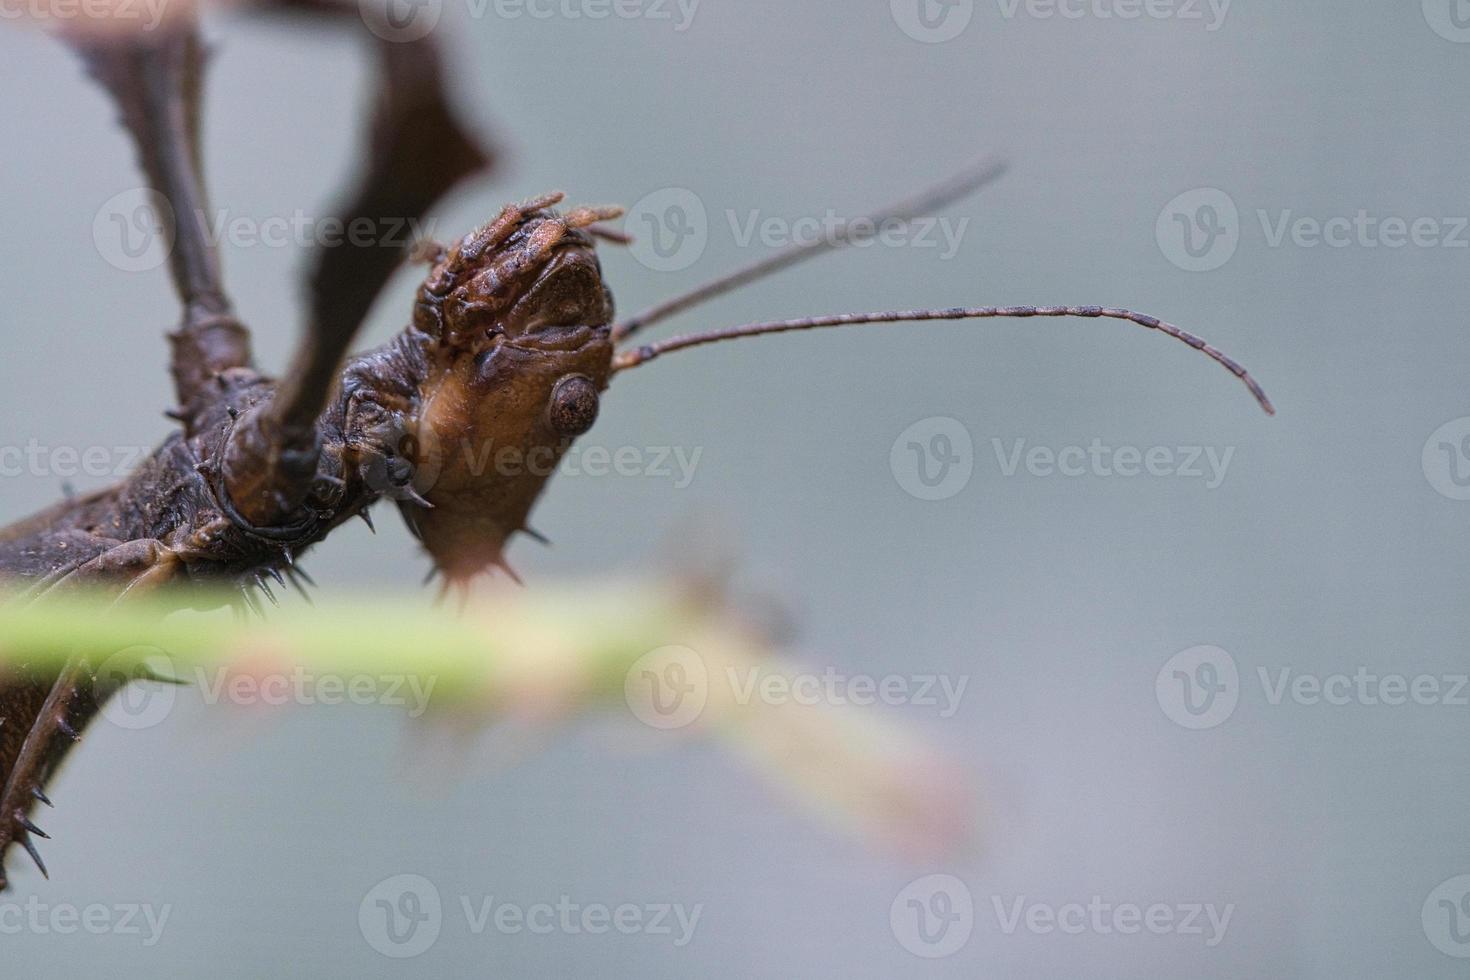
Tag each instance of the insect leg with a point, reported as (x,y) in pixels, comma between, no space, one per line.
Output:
(418,150)
(44,716)
(155,79)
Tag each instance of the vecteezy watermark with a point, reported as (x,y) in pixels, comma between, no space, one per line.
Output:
(937,21)
(1446,917)
(412,20)
(139,688)
(420,458)
(404,916)
(1200,688)
(298,686)
(676,464)
(940,692)
(37,918)
(135,230)
(670,687)
(401,917)
(1450,19)
(933,916)
(667,688)
(933,459)
(1100,917)
(678,14)
(944,235)
(1210,13)
(1362,686)
(1208,464)
(1446,459)
(932,21)
(69,462)
(1201,230)
(671,230)
(144,15)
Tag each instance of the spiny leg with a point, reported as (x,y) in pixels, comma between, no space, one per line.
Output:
(43,716)
(418,150)
(155,79)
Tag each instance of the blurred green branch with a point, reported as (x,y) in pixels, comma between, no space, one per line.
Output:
(678,666)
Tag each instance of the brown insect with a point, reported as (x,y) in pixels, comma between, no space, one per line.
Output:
(512,340)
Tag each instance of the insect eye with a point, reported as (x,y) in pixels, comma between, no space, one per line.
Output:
(573,406)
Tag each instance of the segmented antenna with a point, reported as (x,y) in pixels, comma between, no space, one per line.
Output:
(642,355)
(967,181)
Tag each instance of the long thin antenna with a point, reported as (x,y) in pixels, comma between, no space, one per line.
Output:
(984,171)
(642,355)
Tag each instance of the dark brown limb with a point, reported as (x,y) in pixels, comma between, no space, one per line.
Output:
(418,150)
(155,78)
(42,715)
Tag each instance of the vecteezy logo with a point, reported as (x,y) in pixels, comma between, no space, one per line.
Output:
(401,20)
(1446,917)
(135,689)
(1199,230)
(1199,688)
(933,21)
(401,916)
(933,916)
(134,230)
(667,688)
(416,463)
(670,229)
(1450,19)
(1446,459)
(933,459)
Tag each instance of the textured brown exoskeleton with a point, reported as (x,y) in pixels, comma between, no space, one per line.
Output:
(510,345)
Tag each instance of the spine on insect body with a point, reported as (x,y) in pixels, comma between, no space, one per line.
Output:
(171,521)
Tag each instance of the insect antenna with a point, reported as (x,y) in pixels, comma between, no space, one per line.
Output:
(642,355)
(983,171)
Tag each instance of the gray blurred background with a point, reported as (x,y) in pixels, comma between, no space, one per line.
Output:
(1333,543)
